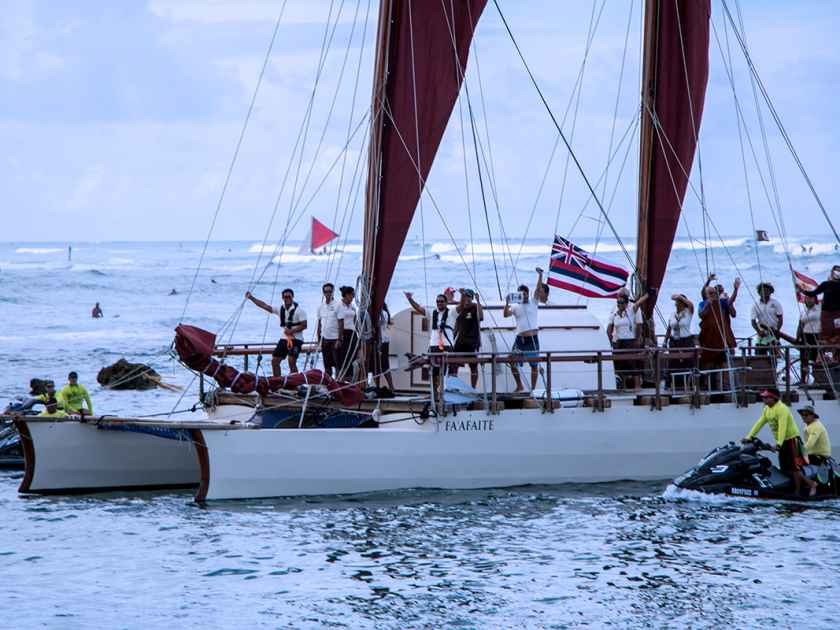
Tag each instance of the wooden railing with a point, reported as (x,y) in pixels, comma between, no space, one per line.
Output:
(744,378)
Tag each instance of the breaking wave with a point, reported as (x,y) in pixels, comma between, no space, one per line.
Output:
(39,250)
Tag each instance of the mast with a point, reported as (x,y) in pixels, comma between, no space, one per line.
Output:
(646,137)
(416,83)
(675,71)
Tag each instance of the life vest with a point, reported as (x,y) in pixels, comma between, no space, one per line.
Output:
(292,311)
(443,326)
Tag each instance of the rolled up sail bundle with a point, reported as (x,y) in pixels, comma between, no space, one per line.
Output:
(195,348)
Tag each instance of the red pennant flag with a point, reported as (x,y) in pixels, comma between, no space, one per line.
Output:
(321,235)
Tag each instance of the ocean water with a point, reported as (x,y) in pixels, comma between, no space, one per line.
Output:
(616,555)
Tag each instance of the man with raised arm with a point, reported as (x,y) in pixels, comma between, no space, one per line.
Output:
(293,322)
(441,331)
(527,342)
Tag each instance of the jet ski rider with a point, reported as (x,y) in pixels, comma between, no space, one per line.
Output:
(788,443)
(817,443)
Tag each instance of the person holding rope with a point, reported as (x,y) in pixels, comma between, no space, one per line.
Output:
(293,322)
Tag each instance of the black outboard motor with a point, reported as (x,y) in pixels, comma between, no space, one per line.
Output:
(731,465)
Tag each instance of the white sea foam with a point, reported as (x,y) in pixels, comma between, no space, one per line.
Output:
(287,259)
(259,248)
(39,250)
(808,249)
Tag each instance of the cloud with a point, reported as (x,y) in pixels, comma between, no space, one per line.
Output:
(233,11)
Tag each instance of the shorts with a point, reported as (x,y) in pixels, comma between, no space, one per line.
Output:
(528,347)
(283,350)
(809,355)
(452,368)
(791,455)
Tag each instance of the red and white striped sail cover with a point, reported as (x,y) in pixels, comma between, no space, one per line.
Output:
(195,348)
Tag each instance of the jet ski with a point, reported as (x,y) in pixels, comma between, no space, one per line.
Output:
(740,469)
(11,452)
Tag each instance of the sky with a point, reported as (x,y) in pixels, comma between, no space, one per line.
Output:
(119,120)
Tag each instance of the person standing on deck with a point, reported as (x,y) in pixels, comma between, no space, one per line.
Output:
(379,359)
(327,332)
(348,340)
(527,342)
(788,443)
(293,323)
(441,332)
(468,328)
(830,314)
(716,337)
(73,395)
(96,312)
(623,332)
(767,317)
(817,444)
(807,334)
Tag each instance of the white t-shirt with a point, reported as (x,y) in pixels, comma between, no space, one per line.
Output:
(811,319)
(680,324)
(447,325)
(346,313)
(624,326)
(767,314)
(526,316)
(295,315)
(329,320)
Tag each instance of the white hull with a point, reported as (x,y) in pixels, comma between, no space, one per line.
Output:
(70,456)
(508,449)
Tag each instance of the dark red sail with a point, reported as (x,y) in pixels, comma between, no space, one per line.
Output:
(422,55)
(676,70)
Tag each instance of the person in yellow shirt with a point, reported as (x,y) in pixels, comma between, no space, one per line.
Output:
(73,395)
(51,393)
(817,444)
(52,410)
(786,434)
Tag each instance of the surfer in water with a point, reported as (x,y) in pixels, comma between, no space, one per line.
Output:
(96,312)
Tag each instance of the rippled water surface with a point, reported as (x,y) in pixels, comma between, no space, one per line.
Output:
(615,555)
(603,556)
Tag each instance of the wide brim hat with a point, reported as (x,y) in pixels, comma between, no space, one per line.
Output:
(808,409)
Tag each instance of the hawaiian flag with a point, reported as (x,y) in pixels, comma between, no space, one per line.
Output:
(573,269)
(810,284)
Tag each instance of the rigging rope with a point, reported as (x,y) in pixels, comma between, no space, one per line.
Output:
(235,156)
(778,121)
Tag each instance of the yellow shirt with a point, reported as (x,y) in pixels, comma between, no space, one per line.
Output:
(816,439)
(45,397)
(780,420)
(73,395)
